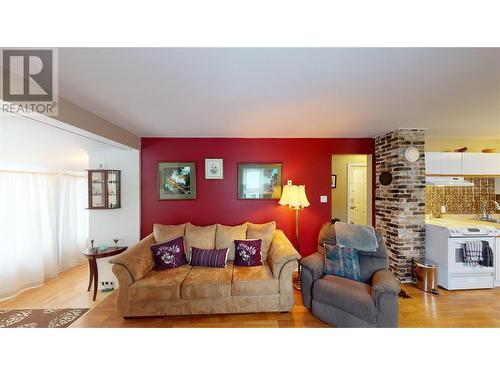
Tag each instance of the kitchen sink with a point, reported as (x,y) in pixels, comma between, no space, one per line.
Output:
(492,220)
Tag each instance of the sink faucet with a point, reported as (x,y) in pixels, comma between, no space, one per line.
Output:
(485,215)
(497,206)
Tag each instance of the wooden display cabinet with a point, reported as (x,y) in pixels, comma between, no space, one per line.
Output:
(104,189)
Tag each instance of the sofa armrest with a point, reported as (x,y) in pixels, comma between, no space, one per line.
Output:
(280,253)
(125,280)
(315,264)
(138,258)
(385,290)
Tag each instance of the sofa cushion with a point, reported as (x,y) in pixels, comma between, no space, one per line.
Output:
(348,295)
(254,281)
(164,233)
(265,232)
(248,253)
(200,237)
(162,285)
(169,254)
(225,236)
(204,282)
(209,258)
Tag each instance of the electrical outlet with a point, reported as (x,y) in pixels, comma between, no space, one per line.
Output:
(323,199)
(106,285)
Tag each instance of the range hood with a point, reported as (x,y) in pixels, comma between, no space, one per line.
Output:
(447,181)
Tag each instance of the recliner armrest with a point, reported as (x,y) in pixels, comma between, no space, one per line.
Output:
(138,258)
(384,282)
(311,270)
(280,253)
(315,264)
(385,290)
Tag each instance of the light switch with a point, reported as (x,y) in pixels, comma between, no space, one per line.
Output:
(323,199)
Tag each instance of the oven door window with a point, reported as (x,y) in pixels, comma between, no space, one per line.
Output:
(459,253)
(459,250)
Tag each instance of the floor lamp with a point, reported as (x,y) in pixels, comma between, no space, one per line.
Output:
(294,196)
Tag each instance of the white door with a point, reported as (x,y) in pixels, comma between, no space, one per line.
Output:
(357,208)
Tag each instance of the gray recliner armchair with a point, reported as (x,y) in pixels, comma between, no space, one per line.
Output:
(347,303)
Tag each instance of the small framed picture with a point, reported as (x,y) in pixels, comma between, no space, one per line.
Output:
(214,169)
(176,180)
(334,181)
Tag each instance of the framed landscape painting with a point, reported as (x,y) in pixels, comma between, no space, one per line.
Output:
(176,180)
(259,180)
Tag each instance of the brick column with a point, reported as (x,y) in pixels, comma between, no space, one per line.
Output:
(400,206)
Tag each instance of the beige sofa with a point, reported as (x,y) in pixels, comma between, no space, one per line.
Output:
(190,290)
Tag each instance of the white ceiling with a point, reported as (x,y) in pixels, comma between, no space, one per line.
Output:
(29,144)
(278,92)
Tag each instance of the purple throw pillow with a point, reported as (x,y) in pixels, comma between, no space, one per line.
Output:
(169,254)
(247,253)
(209,258)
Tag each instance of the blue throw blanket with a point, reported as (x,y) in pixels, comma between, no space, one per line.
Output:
(359,237)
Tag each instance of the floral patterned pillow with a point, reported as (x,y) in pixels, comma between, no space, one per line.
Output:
(169,254)
(247,253)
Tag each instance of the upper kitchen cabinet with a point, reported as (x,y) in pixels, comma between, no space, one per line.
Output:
(443,163)
(476,163)
(462,163)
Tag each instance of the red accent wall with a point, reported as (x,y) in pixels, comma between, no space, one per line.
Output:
(306,161)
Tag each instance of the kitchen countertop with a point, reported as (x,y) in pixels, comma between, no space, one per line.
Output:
(462,221)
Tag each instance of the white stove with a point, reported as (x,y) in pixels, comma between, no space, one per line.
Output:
(444,245)
(472,231)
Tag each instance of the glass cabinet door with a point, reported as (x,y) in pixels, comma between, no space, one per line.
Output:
(113,189)
(97,189)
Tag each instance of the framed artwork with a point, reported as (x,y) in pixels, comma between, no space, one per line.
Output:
(214,169)
(334,181)
(176,180)
(259,180)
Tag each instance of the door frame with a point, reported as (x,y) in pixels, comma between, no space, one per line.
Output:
(368,191)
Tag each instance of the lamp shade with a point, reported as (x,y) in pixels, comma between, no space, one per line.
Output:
(294,196)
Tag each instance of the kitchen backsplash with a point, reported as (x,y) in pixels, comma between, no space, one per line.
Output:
(461,200)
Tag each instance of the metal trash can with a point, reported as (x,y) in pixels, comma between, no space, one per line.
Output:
(425,275)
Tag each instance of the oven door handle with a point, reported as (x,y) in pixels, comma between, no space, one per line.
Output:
(463,242)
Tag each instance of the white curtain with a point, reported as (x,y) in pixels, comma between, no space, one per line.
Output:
(43,227)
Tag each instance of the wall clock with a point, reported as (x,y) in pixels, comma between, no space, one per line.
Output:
(385,178)
(412,154)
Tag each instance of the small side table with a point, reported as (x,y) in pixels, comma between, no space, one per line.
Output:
(92,255)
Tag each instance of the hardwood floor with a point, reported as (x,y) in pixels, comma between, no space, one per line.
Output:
(460,308)
(104,315)
(471,308)
(69,290)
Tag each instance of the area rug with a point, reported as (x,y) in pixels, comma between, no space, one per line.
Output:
(39,318)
